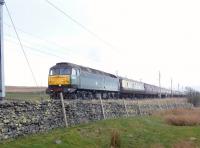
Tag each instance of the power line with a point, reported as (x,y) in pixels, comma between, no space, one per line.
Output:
(8,35)
(48,41)
(42,51)
(38,37)
(37,50)
(45,40)
(81,25)
(21,45)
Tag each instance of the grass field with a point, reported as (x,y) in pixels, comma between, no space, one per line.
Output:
(141,132)
(26,93)
(26,96)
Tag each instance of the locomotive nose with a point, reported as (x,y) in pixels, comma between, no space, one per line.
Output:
(59,80)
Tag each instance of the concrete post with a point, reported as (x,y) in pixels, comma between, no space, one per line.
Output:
(2,81)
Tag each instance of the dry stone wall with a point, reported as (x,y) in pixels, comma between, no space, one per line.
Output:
(22,118)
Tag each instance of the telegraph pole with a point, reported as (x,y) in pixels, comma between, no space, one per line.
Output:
(178,86)
(171,89)
(2,81)
(159,85)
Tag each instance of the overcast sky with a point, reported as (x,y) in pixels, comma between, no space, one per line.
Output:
(147,37)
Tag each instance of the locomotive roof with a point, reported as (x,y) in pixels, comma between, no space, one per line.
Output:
(64,64)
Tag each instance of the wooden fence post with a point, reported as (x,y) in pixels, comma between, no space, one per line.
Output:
(125,108)
(160,108)
(63,109)
(102,108)
(150,108)
(139,111)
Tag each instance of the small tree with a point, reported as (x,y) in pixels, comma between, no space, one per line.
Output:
(193,96)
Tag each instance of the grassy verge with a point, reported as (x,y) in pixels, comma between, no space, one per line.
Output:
(132,133)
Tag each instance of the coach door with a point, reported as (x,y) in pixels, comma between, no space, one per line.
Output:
(75,76)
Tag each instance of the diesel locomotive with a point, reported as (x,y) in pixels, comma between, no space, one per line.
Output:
(79,82)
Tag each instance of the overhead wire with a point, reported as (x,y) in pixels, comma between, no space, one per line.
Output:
(75,21)
(38,37)
(17,29)
(82,26)
(21,45)
(44,52)
(36,49)
(51,42)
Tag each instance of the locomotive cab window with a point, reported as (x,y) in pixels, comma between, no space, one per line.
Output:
(65,71)
(59,71)
(54,72)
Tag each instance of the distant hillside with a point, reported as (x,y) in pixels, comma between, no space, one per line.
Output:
(24,89)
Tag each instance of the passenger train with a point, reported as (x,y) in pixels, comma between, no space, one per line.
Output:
(79,82)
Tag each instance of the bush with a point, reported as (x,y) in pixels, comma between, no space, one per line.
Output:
(183,117)
(195,100)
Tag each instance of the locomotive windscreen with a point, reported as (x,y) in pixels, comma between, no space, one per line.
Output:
(60,71)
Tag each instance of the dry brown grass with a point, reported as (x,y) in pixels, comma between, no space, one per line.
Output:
(182,117)
(115,139)
(184,144)
(157,145)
